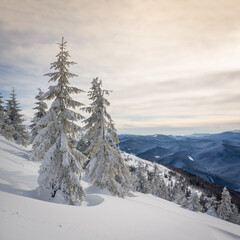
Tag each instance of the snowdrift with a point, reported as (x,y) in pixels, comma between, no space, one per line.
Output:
(101,216)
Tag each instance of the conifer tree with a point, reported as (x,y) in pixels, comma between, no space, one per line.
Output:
(1,115)
(226,209)
(141,182)
(178,193)
(211,206)
(60,172)
(203,202)
(157,182)
(170,191)
(185,202)
(194,204)
(41,109)
(14,129)
(8,129)
(179,198)
(235,217)
(106,168)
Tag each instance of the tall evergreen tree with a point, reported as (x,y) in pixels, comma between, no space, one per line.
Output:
(226,210)
(41,109)
(141,182)
(1,114)
(211,206)
(106,168)
(184,202)
(194,203)
(60,172)
(14,129)
(178,193)
(8,129)
(158,185)
(235,217)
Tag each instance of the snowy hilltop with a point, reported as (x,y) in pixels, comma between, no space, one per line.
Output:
(101,216)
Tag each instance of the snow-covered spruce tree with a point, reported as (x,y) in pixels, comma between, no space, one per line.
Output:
(106,168)
(194,204)
(14,129)
(179,198)
(226,210)
(1,114)
(41,109)
(211,206)
(141,183)
(178,193)
(203,201)
(170,191)
(235,217)
(38,153)
(8,129)
(157,183)
(185,202)
(60,172)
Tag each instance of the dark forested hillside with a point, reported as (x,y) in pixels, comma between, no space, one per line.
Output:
(214,157)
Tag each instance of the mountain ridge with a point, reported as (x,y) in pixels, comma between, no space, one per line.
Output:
(215,157)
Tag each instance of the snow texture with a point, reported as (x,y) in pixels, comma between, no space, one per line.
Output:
(101,216)
(190,158)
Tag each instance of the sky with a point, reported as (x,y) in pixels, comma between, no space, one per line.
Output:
(173,66)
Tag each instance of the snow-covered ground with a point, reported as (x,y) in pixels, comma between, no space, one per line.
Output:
(190,158)
(101,216)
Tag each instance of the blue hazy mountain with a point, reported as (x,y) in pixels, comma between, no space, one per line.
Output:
(214,157)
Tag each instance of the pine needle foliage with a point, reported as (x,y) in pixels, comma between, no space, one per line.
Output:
(2,114)
(106,168)
(13,124)
(60,172)
(41,110)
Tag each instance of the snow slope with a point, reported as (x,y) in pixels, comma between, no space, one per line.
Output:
(101,216)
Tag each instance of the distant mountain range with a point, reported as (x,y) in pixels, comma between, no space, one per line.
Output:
(214,157)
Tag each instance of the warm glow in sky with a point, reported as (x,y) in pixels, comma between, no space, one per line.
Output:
(173,66)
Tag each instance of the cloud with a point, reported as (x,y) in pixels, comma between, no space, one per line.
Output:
(168,63)
(209,99)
